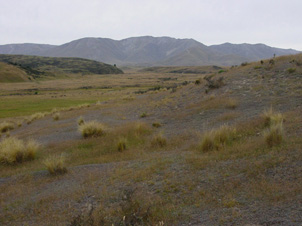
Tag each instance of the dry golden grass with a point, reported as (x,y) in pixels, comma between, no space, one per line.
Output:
(55,164)
(80,120)
(231,103)
(274,135)
(13,150)
(56,116)
(6,126)
(271,117)
(158,140)
(215,139)
(91,129)
(122,144)
(228,116)
(36,116)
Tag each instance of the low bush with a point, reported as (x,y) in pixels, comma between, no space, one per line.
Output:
(13,150)
(55,164)
(91,129)
(143,115)
(291,70)
(156,124)
(80,120)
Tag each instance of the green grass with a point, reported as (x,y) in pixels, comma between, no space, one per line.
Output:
(21,106)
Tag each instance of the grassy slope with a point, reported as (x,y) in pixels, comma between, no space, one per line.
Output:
(52,66)
(242,182)
(11,73)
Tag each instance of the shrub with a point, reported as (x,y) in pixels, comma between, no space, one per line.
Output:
(6,126)
(156,124)
(55,165)
(13,150)
(121,144)
(143,115)
(244,64)
(91,129)
(214,83)
(56,116)
(291,70)
(80,120)
(158,141)
(197,82)
(274,135)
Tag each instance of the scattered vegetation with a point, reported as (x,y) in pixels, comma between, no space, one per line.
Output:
(214,83)
(13,150)
(231,103)
(272,118)
(55,164)
(91,129)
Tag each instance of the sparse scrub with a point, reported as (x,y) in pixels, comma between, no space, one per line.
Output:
(274,135)
(197,82)
(159,140)
(56,116)
(6,126)
(214,83)
(55,164)
(122,144)
(81,120)
(91,129)
(36,116)
(13,150)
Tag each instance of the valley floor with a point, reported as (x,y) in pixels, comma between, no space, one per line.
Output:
(164,176)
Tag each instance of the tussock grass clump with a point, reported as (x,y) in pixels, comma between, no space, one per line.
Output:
(13,150)
(91,129)
(158,141)
(274,135)
(231,103)
(56,116)
(6,126)
(156,124)
(215,139)
(272,118)
(141,128)
(36,116)
(291,70)
(143,115)
(122,144)
(55,164)
(81,121)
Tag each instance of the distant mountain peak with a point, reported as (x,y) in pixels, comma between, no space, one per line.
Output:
(151,51)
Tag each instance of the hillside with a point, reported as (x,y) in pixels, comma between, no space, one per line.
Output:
(38,67)
(151,51)
(11,73)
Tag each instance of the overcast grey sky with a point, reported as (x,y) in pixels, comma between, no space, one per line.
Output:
(273,22)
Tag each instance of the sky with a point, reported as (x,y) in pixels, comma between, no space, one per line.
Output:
(276,23)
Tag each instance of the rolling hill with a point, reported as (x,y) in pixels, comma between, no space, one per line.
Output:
(151,51)
(38,67)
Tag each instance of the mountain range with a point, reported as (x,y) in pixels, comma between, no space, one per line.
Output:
(151,51)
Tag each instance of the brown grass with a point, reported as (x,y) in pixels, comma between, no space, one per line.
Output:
(121,144)
(158,140)
(271,117)
(56,116)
